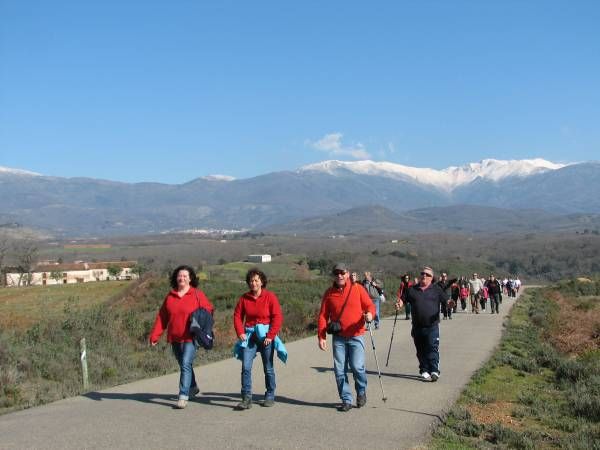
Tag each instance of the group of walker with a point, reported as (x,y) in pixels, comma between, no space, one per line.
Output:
(348,309)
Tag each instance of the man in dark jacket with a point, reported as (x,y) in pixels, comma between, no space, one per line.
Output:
(425,299)
(494,291)
(446,286)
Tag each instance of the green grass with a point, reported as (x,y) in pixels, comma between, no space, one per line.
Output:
(554,399)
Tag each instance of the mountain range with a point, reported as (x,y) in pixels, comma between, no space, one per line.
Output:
(281,201)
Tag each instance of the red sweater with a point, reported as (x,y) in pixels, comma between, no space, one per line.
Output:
(352,320)
(265,309)
(174,315)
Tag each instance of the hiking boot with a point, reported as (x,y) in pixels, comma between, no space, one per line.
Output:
(345,407)
(268,402)
(194,391)
(426,376)
(361,400)
(246,403)
(181,403)
(434,376)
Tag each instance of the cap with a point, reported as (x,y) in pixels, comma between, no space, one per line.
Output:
(340,267)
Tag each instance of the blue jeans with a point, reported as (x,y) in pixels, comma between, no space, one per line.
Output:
(349,353)
(427,342)
(377,303)
(266,354)
(185,352)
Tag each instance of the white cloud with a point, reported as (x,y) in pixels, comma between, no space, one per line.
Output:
(332,144)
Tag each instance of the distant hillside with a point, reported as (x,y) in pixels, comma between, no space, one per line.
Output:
(89,207)
(459,218)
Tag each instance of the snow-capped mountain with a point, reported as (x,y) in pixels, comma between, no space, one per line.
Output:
(8,170)
(218,178)
(447,179)
(90,207)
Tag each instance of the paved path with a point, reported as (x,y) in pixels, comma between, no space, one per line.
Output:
(141,414)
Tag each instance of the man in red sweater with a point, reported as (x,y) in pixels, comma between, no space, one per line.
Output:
(350,305)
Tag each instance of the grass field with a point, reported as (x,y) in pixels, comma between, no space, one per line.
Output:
(536,392)
(22,307)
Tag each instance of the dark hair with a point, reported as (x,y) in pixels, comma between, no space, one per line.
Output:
(256,271)
(193,277)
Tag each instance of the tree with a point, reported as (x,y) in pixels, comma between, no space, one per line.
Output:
(139,270)
(5,244)
(56,275)
(113,271)
(25,252)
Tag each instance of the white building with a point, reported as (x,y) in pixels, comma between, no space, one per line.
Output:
(49,274)
(259,258)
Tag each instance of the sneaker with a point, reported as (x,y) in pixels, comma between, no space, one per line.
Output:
(361,400)
(268,402)
(449,317)
(345,407)
(434,376)
(426,376)
(246,403)
(181,403)
(194,391)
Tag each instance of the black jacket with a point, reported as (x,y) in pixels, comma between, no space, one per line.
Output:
(426,304)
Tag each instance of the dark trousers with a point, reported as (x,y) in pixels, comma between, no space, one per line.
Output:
(495,303)
(446,310)
(407,310)
(427,343)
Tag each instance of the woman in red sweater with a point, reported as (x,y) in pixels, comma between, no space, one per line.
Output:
(174,316)
(255,309)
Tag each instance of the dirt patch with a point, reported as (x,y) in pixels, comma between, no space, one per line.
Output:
(576,331)
(496,412)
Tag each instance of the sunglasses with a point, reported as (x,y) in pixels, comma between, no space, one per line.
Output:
(339,272)
(425,274)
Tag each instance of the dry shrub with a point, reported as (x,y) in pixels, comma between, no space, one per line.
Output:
(575,331)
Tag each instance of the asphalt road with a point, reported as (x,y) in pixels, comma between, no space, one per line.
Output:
(142,414)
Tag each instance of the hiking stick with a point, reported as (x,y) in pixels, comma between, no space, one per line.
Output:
(387,361)
(384,398)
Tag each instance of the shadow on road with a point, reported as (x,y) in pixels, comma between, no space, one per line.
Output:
(383,374)
(157,399)
(225,400)
(210,398)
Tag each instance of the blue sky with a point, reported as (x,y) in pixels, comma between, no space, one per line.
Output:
(169,91)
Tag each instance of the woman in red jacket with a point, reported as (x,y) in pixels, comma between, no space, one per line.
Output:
(174,316)
(255,308)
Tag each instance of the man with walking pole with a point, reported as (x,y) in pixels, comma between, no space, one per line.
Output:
(344,309)
(426,298)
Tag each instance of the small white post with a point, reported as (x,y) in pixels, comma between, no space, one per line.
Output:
(84,367)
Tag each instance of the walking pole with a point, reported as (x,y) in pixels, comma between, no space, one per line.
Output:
(384,398)
(387,361)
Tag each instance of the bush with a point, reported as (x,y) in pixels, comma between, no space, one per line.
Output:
(497,434)
(569,370)
(584,400)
